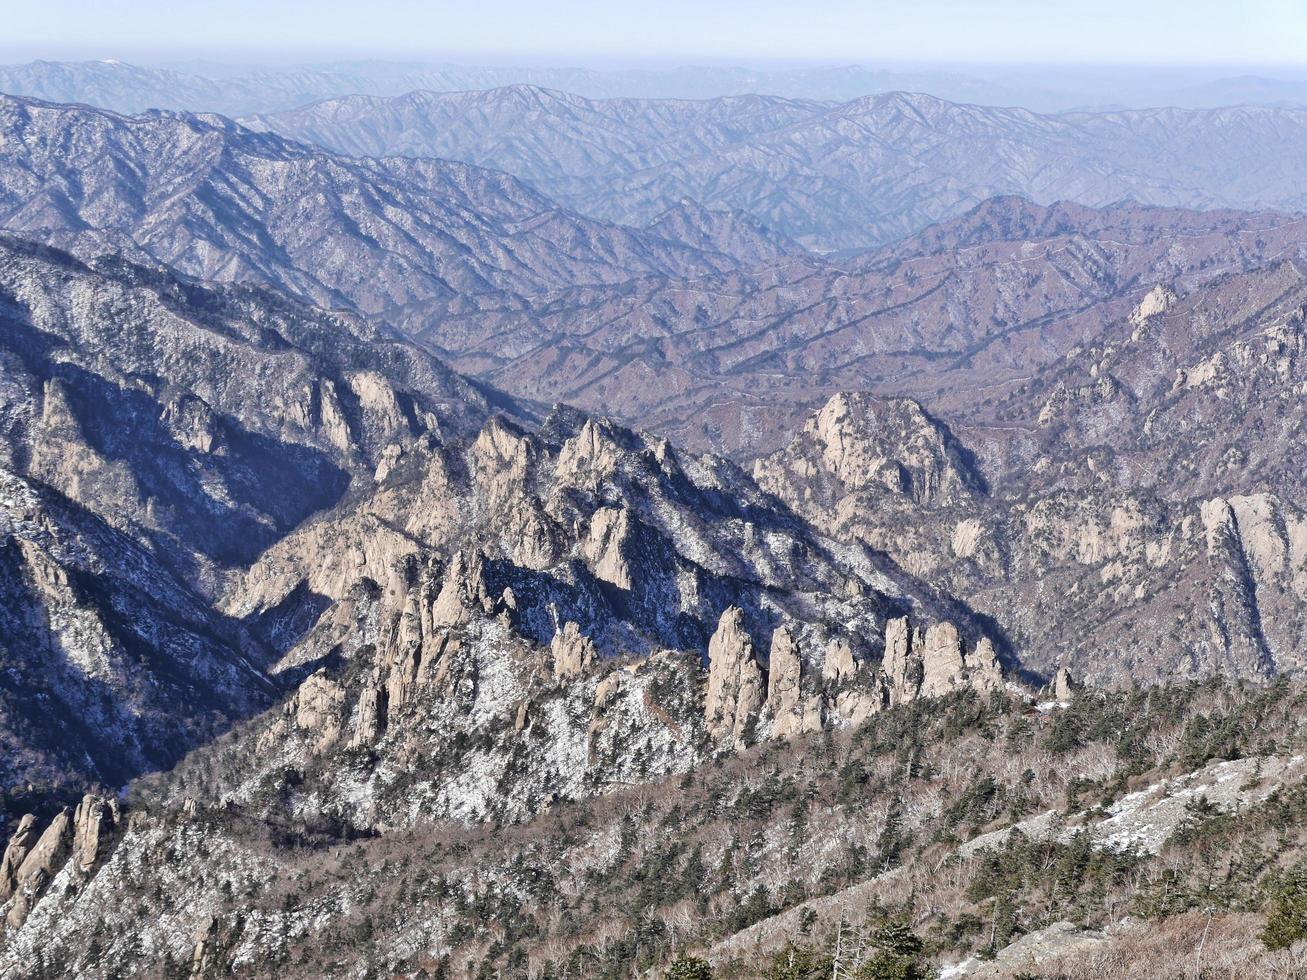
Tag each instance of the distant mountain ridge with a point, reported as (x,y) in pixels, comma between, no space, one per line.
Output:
(219,202)
(831,176)
(238,90)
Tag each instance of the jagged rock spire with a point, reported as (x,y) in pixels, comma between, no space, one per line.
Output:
(933,662)
(734,681)
(793,710)
(573,652)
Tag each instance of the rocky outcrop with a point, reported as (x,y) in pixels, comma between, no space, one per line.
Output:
(783,671)
(94,823)
(204,958)
(607,546)
(573,653)
(77,837)
(916,663)
(735,684)
(868,444)
(870,467)
(463,592)
(1238,638)
(39,866)
(943,667)
(838,665)
(984,671)
(370,719)
(793,710)
(1064,686)
(20,845)
(902,668)
(193,424)
(589,456)
(317,707)
(1157,301)
(932,662)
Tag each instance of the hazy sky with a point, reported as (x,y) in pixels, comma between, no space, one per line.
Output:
(1241,32)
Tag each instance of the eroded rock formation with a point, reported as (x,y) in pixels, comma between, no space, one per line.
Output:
(573,653)
(735,682)
(78,837)
(793,708)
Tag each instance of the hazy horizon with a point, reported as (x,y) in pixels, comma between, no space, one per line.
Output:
(1262,35)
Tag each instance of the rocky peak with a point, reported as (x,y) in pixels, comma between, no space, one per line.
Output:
(863,443)
(502,453)
(94,823)
(193,424)
(39,865)
(1064,686)
(607,546)
(464,592)
(590,456)
(793,706)
(317,705)
(20,845)
(1157,301)
(77,836)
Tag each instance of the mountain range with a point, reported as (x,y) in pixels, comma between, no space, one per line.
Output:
(812,546)
(217,201)
(833,177)
(244,89)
